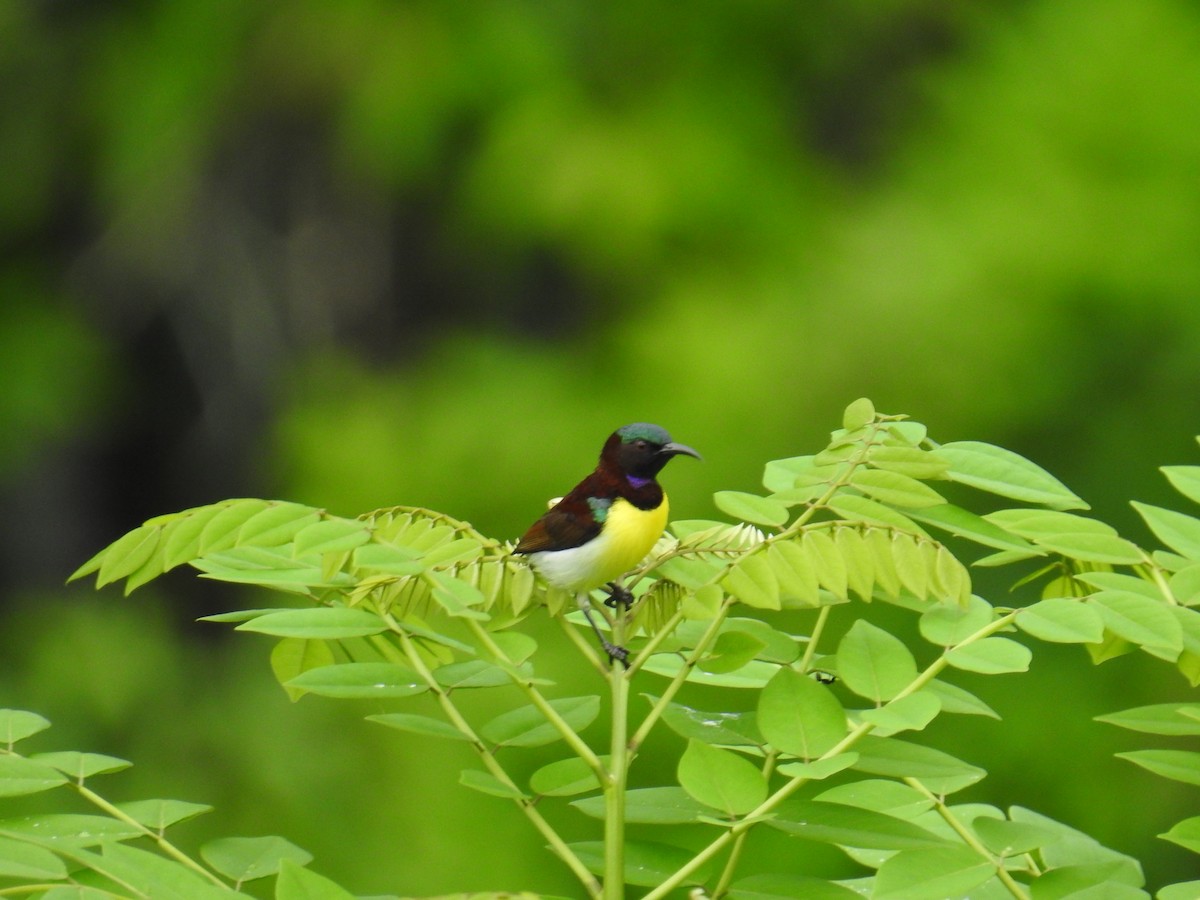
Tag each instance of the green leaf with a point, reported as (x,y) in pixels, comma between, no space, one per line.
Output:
(752,581)
(858,414)
(1185,585)
(788,887)
(1183,890)
(911,461)
(751,508)
(528,727)
(78,766)
(389,559)
(871,512)
(1185,479)
(948,625)
(751,676)
(1178,531)
(248,858)
(68,829)
(18,724)
(885,796)
(453,553)
(651,806)
(1096,881)
(800,717)
(860,567)
(1140,620)
(162,814)
(24,776)
(730,728)
(181,542)
(999,471)
(1006,838)
(819,769)
(850,826)
(873,663)
(221,529)
(1159,718)
(145,874)
(19,859)
(1185,834)
(1178,765)
(827,562)
(911,713)
(487,783)
(456,596)
(331,536)
(564,778)
(963,523)
(417,724)
(646,864)
(991,656)
(1062,620)
(721,779)
(277,524)
(931,874)
(793,570)
(322,622)
(1073,847)
(956,700)
(296,883)
(292,657)
(895,489)
(731,651)
(786,474)
(270,567)
(775,646)
(365,679)
(474,673)
(128,554)
(940,772)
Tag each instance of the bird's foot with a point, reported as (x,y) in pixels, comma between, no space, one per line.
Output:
(618,595)
(616,653)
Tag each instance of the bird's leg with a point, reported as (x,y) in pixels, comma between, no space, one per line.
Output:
(614,652)
(618,595)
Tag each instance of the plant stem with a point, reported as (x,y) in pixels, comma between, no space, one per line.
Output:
(968,837)
(680,678)
(163,844)
(618,775)
(811,649)
(525,803)
(739,842)
(792,785)
(584,646)
(576,743)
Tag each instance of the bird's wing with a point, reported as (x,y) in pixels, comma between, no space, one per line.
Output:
(573,521)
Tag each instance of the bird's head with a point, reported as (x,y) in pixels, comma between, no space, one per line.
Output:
(639,451)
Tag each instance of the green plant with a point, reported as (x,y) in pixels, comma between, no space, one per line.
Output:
(404,602)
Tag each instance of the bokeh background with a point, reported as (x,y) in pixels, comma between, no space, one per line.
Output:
(380,252)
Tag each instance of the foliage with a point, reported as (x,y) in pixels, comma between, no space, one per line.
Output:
(405,601)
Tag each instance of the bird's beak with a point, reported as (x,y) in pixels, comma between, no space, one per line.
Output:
(674,449)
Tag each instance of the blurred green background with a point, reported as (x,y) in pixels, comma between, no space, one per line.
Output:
(382,252)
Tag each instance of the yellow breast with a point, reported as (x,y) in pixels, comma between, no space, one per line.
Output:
(627,536)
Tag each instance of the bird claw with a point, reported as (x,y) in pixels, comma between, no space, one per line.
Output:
(618,595)
(616,653)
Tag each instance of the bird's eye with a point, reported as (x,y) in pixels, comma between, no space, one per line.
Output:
(640,444)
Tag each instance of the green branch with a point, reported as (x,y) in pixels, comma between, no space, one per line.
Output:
(524,803)
(795,783)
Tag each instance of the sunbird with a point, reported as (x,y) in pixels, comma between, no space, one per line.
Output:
(608,522)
